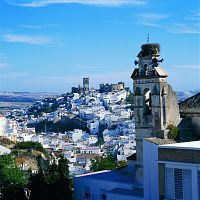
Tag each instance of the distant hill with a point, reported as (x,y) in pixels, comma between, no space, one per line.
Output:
(37,96)
(184,95)
(24,96)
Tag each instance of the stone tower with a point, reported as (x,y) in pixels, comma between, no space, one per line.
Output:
(85,85)
(155,104)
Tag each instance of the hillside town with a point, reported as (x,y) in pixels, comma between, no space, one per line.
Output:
(82,125)
(150,139)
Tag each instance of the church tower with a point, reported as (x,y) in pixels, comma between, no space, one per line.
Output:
(155,103)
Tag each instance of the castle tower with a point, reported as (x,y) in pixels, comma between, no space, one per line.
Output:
(85,85)
(155,104)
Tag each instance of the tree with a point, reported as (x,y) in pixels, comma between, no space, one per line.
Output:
(53,183)
(30,145)
(12,179)
(100,141)
(130,98)
(37,185)
(106,163)
(173,132)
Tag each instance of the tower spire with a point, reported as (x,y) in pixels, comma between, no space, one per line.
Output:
(147,38)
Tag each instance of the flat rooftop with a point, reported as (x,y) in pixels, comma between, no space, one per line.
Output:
(159,141)
(110,175)
(124,192)
(194,145)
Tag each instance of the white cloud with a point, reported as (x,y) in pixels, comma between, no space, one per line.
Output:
(38,26)
(195,16)
(183,28)
(156,20)
(34,40)
(152,16)
(31,26)
(154,25)
(12,75)
(150,19)
(39,3)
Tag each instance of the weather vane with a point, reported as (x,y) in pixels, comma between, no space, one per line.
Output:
(148,38)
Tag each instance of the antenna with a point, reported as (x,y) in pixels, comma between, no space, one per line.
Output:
(148,38)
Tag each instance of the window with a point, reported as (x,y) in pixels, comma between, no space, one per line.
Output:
(147,102)
(87,192)
(103,197)
(198,179)
(178,183)
(103,194)
(163,106)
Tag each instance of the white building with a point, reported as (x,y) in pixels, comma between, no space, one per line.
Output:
(4,150)
(91,150)
(79,135)
(2,125)
(93,127)
(172,171)
(106,185)
(92,139)
(11,127)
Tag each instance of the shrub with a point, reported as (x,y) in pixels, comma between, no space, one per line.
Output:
(173,132)
(30,146)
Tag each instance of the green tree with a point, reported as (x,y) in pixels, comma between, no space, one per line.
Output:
(12,179)
(10,172)
(100,141)
(54,182)
(173,132)
(37,185)
(29,145)
(130,98)
(106,163)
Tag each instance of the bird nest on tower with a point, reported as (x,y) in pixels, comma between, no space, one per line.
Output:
(149,49)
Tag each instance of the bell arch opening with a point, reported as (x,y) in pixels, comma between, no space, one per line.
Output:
(147,108)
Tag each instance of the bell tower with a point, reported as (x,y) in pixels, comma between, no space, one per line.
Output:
(155,104)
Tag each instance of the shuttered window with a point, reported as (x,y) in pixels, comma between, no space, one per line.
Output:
(187,184)
(169,183)
(198,179)
(178,183)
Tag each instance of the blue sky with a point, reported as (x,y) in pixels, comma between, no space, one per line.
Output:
(49,45)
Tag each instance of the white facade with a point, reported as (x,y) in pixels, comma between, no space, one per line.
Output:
(90,150)
(11,127)
(93,127)
(37,138)
(4,150)
(99,186)
(124,194)
(2,125)
(150,167)
(92,139)
(182,178)
(79,135)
